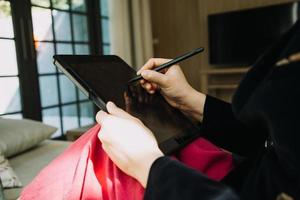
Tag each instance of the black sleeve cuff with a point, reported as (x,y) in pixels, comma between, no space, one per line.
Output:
(170,179)
(213,114)
(222,128)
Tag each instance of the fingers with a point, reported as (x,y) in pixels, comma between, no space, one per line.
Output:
(150,87)
(153,62)
(113,110)
(101,115)
(154,77)
(153,80)
(118,112)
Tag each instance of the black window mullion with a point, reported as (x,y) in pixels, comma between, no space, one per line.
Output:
(6,38)
(26,59)
(94,26)
(47,74)
(95,30)
(58,9)
(104,17)
(66,104)
(57,73)
(62,41)
(11,113)
(9,76)
(73,49)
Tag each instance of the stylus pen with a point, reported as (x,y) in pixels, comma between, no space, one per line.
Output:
(170,63)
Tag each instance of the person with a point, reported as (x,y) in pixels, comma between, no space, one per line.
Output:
(261,127)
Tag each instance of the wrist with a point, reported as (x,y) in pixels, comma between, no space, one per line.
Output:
(143,173)
(194,104)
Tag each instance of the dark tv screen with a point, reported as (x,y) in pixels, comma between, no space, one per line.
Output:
(239,38)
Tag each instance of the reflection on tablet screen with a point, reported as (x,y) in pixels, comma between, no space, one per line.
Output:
(107,76)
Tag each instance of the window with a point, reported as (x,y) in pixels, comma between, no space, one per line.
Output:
(10,100)
(33,87)
(105,26)
(61,27)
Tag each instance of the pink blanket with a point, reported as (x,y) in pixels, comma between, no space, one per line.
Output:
(84,171)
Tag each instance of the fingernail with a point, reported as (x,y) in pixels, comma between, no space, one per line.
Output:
(99,116)
(110,103)
(110,107)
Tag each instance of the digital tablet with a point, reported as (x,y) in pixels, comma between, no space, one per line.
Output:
(105,78)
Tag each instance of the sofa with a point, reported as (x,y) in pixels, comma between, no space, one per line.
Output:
(25,149)
(29,163)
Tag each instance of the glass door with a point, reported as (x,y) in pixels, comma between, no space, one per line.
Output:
(61,27)
(10,101)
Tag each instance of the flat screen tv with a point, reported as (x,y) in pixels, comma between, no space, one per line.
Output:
(239,38)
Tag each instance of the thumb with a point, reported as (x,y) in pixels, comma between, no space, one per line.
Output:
(116,111)
(101,115)
(155,77)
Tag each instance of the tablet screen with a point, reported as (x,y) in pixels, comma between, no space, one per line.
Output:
(107,76)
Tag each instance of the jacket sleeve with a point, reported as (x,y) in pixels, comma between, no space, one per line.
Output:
(169,179)
(221,127)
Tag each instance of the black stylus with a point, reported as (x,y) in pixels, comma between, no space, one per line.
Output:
(170,63)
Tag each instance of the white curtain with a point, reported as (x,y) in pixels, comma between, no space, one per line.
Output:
(131,33)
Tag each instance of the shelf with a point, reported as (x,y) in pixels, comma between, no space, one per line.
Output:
(240,70)
(223,87)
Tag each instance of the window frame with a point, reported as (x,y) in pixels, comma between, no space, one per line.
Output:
(12,39)
(27,56)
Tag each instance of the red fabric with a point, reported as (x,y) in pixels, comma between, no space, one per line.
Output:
(84,171)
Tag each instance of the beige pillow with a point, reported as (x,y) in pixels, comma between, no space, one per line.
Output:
(8,177)
(17,136)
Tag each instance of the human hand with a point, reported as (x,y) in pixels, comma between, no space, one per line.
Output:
(174,87)
(128,143)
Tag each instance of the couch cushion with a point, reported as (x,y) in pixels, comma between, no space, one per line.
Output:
(28,164)
(18,135)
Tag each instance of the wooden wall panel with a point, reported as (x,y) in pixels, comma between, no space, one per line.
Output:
(176,31)
(181,25)
(207,7)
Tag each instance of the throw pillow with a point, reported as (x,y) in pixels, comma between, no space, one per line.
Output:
(17,136)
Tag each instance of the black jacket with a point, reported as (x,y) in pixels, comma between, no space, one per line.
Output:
(266,107)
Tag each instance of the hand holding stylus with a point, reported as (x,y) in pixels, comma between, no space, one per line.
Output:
(173,86)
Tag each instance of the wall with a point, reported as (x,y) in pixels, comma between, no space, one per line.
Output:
(176,30)
(179,26)
(206,7)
